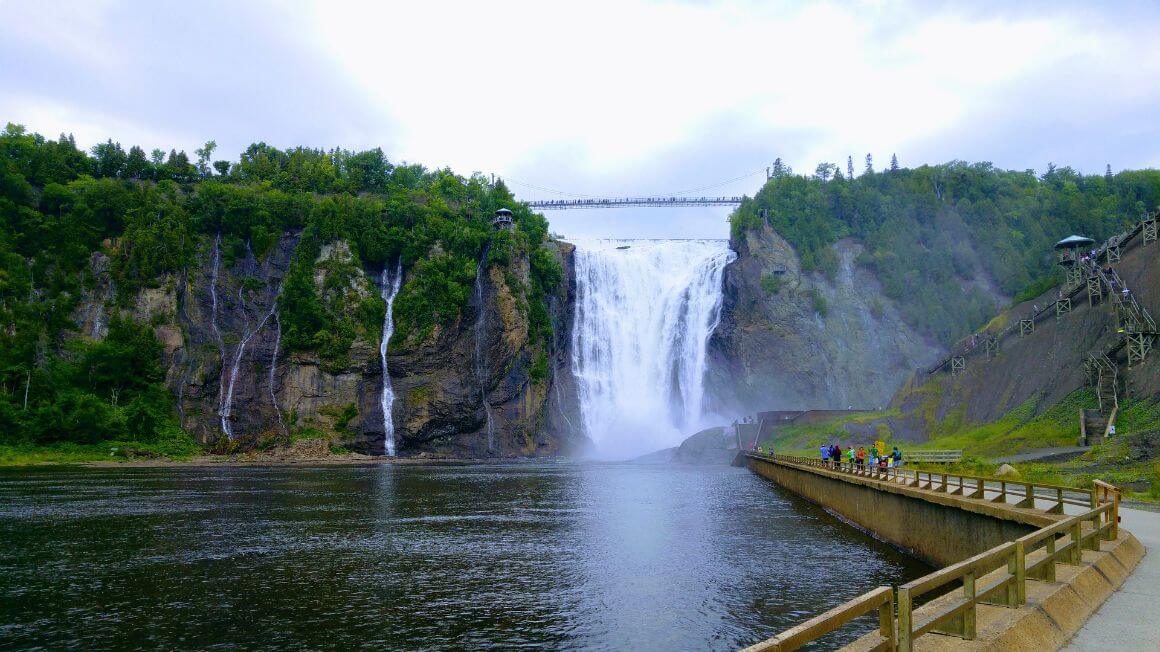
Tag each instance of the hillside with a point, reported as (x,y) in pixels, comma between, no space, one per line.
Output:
(147,299)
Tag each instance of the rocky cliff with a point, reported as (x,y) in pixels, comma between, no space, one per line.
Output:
(466,389)
(789,339)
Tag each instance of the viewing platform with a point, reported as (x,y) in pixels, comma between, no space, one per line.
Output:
(1024,565)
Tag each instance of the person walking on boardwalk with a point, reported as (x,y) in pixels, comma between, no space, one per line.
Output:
(874,455)
(861,457)
(896,456)
(836,456)
(824,449)
(851,455)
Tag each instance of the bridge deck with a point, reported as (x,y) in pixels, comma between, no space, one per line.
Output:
(625,202)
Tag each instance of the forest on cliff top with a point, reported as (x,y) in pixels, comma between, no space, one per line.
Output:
(944,239)
(151,214)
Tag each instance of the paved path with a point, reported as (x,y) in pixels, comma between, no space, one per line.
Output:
(1060,453)
(1130,619)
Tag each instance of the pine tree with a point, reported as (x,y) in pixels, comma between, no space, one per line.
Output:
(778,168)
(869,164)
(894,163)
(850,167)
(1108,173)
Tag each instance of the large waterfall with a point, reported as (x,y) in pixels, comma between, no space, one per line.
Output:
(644,314)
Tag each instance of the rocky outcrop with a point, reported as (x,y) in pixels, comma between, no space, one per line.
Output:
(795,340)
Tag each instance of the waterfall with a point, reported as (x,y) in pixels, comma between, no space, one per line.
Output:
(480,328)
(274,367)
(390,289)
(644,314)
(217,333)
(228,402)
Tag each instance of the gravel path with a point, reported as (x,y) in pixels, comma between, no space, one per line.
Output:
(1058,454)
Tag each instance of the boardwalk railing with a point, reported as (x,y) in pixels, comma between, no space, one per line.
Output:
(881,598)
(998,576)
(945,456)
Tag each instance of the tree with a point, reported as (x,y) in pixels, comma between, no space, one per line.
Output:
(222,167)
(825,170)
(779,169)
(869,164)
(136,166)
(108,159)
(157,157)
(894,163)
(203,155)
(1108,173)
(850,168)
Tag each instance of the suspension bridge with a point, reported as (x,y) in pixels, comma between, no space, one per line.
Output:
(623,202)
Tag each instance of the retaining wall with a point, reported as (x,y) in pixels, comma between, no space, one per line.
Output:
(940,529)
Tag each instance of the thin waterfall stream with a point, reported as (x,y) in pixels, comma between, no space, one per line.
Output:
(390,289)
(644,313)
(480,328)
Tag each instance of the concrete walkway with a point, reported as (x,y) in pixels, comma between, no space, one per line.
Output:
(1130,619)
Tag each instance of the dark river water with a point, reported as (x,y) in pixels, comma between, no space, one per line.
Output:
(536,556)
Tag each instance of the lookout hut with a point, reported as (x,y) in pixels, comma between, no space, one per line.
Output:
(1068,246)
(502,219)
(1068,258)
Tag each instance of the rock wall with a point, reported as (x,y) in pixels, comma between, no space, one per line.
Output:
(234,387)
(791,340)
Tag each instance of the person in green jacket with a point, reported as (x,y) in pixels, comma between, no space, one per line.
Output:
(850,456)
(873,456)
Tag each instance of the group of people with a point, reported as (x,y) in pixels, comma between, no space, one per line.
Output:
(833,455)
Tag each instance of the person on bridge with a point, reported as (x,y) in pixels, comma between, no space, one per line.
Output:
(896,458)
(824,449)
(836,456)
(874,456)
(861,457)
(851,455)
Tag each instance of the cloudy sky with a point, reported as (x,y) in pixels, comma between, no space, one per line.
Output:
(600,98)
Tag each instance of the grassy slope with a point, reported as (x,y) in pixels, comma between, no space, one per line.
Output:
(1017,431)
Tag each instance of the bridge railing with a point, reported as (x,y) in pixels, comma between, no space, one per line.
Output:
(998,576)
(880,599)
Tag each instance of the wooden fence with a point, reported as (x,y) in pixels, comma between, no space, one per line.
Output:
(998,576)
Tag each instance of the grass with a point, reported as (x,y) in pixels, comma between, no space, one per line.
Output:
(176,446)
(1120,461)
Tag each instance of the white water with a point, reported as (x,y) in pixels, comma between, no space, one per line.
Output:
(643,319)
(390,289)
(228,402)
(480,367)
(274,367)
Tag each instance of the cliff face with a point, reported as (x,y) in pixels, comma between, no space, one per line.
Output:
(234,387)
(1036,370)
(794,340)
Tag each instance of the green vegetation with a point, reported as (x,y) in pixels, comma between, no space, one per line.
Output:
(770,284)
(934,228)
(151,215)
(1129,457)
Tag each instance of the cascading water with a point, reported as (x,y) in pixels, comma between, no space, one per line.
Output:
(274,368)
(480,328)
(390,289)
(644,314)
(228,401)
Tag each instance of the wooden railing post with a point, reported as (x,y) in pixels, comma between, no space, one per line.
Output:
(1077,547)
(1058,507)
(1049,569)
(1002,497)
(886,623)
(1018,568)
(969,614)
(905,642)
(1029,498)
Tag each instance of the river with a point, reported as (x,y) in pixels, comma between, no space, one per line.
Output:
(533,556)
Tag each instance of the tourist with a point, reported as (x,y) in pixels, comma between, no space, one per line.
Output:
(850,455)
(836,456)
(874,455)
(861,457)
(896,457)
(825,451)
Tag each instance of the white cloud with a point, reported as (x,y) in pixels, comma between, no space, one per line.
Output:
(605,96)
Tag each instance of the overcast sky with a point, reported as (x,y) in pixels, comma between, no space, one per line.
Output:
(600,98)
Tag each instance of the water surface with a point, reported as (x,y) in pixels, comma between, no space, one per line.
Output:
(535,556)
